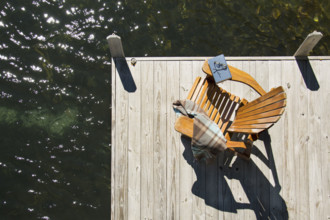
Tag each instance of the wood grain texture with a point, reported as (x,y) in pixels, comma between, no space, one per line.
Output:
(250,170)
(113,139)
(154,176)
(211,175)
(160,140)
(198,178)
(276,133)
(134,147)
(290,127)
(120,147)
(263,175)
(173,144)
(325,134)
(316,189)
(235,184)
(186,171)
(147,137)
(301,145)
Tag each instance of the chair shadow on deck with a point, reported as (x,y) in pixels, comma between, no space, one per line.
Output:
(211,184)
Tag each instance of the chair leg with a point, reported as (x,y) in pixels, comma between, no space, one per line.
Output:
(246,145)
(235,145)
(243,155)
(249,145)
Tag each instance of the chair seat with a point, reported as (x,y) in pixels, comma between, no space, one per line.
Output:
(185,126)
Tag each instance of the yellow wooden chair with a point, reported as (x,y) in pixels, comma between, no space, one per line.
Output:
(250,118)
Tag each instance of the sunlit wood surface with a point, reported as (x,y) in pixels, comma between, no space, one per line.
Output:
(154,175)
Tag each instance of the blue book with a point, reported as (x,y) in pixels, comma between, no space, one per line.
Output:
(219,68)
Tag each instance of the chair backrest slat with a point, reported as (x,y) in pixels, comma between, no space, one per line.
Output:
(210,98)
(193,89)
(208,92)
(232,105)
(205,85)
(215,101)
(219,105)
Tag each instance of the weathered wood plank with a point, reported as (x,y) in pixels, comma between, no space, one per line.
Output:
(134,147)
(316,189)
(235,183)
(301,136)
(221,184)
(186,172)
(226,198)
(147,148)
(173,143)
(113,138)
(262,207)
(289,187)
(276,150)
(198,187)
(160,140)
(249,168)
(210,183)
(121,144)
(323,77)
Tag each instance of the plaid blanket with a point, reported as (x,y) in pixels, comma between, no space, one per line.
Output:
(207,140)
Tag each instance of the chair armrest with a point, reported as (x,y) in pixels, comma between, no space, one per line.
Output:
(184,125)
(238,76)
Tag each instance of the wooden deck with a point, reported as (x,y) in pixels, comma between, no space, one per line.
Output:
(154,175)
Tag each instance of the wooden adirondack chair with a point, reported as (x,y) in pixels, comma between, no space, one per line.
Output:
(250,119)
